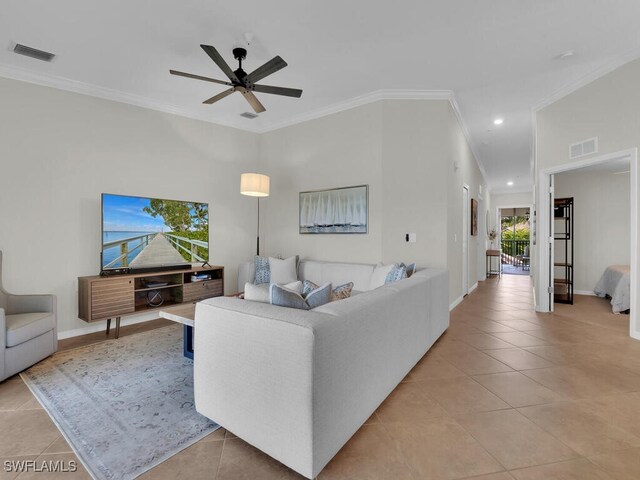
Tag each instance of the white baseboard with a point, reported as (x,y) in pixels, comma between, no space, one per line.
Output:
(102,326)
(635,334)
(585,292)
(475,285)
(456,302)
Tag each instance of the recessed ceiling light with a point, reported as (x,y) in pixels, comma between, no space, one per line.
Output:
(498,121)
(510,183)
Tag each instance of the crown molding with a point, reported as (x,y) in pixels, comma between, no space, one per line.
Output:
(571,87)
(358,101)
(69,85)
(82,88)
(467,135)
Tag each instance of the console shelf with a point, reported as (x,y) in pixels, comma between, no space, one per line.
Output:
(104,298)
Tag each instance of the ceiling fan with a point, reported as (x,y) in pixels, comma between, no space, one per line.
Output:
(240,81)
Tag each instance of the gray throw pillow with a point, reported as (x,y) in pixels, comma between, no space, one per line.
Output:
(279,295)
(284,297)
(319,296)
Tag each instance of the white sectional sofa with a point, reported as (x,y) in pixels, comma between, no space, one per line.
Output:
(298,384)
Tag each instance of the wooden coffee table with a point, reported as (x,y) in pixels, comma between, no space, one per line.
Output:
(184,314)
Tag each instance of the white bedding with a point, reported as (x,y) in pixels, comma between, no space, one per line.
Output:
(615,282)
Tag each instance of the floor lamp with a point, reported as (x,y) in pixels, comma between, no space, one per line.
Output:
(255,185)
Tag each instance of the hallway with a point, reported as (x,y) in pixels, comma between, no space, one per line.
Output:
(571,380)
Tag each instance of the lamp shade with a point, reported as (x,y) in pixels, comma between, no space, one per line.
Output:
(254,185)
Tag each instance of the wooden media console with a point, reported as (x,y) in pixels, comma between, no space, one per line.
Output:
(104,298)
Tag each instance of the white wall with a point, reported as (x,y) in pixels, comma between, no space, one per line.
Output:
(462,169)
(601,222)
(608,108)
(59,151)
(339,150)
(405,151)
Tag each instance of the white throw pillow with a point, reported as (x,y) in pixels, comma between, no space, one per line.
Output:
(256,293)
(260,293)
(283,271)
(379,275)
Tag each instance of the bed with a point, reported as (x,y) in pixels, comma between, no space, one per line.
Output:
(615,283)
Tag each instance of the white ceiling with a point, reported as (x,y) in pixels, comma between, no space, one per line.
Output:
(497,56)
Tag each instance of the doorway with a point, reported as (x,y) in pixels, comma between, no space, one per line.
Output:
(546,262)
(466,220)
(515,240)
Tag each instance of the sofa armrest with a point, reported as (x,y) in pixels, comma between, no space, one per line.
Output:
(30,303)
(253,374)
(3,339)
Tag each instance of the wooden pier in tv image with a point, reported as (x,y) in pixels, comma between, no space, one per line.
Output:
(156,249)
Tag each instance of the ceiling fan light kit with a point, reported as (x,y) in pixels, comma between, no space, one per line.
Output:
(240,81)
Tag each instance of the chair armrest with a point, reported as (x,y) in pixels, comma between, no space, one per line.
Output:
(3,339)
(30,303)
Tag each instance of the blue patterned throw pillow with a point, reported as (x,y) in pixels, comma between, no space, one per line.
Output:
(307,287)
(398,272)
(263,272)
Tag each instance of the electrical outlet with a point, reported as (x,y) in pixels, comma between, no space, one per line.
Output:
(411,237)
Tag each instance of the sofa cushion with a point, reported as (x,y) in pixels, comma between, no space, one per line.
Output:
(283,271)
(336,273)
(22,327)
(262,270)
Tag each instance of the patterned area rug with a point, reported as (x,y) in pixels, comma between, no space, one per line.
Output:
(123,405)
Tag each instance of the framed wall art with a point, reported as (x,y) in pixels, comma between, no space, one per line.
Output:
(338,210)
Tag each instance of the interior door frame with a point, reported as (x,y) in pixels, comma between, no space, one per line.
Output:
(499,225)
(544,243)
(466,224)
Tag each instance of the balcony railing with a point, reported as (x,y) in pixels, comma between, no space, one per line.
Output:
(511,249)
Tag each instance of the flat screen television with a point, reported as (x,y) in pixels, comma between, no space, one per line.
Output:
(149,233)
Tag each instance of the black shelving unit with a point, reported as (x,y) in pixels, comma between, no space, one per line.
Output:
(563,247)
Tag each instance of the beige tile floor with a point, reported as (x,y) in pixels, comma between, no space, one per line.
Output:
(505,394)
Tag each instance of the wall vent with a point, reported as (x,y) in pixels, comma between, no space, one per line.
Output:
(249,115)
(581,149)
(33,53)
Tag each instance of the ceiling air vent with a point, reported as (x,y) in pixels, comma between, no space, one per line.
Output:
(586,147)
(33,53)
(249,115)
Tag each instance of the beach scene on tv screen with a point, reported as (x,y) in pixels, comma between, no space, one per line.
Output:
(142,232)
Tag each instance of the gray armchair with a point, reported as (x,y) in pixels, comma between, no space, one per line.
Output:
(28,330)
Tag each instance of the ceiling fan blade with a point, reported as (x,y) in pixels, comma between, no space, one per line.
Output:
(217,58)
(287,92)
(253,101)
(198,77)
(272,66)
(219,96)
